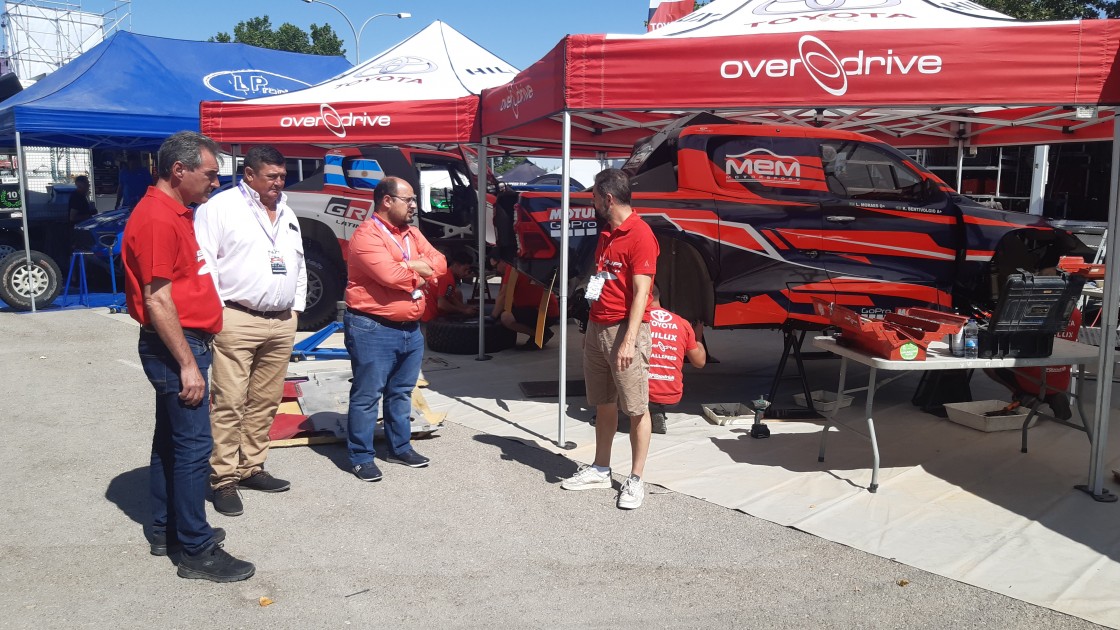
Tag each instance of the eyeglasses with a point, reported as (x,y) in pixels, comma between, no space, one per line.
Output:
(405,199)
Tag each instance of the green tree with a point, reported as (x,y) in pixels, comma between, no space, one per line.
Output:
(503,164)
(258,31)
(1053,9)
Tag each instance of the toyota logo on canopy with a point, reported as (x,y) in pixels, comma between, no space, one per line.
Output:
(399,65)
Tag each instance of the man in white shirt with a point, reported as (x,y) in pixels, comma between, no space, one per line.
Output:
(251,239)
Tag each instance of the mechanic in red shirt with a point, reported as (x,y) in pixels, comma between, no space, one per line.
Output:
(671,342)
(442,294)
(171,294)
(616,347)
(518,305)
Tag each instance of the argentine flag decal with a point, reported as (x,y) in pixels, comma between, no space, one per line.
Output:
(362,172)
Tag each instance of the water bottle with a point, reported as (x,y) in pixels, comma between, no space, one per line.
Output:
(971,339)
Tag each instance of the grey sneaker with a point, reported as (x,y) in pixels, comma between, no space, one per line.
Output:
(587,478)
(632,494)
(660,422)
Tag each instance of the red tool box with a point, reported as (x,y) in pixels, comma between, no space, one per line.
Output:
(897,337)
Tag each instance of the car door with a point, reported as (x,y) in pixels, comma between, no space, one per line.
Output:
(891,234)
(770,225)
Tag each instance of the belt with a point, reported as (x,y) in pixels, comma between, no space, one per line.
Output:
(383,321)
(194,333)
(265,314)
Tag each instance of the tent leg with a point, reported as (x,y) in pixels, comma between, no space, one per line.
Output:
(23,211)
(1109,316)
(480,226)
(562,281)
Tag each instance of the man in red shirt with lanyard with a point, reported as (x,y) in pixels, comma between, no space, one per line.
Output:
(616,347)
(171,294)
(389,264)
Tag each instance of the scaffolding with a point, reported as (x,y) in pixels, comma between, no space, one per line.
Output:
(41,36)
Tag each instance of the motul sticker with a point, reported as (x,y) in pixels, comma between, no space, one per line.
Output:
(763,166)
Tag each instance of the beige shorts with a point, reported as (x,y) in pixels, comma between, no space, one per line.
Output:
(629,389)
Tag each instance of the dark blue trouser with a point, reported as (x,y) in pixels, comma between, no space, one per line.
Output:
(181,446)
(386,363)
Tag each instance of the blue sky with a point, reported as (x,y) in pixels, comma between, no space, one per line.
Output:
(519,32)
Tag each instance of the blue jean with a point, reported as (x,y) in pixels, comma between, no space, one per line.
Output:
(386,363)
(181,446)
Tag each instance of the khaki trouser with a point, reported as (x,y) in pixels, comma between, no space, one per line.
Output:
(251,357)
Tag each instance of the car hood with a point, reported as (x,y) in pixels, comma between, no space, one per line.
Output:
(113,219)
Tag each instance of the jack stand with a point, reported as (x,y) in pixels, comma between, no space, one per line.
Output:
(759,430)
(309,348)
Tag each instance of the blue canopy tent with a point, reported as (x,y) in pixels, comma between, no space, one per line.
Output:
(133,91)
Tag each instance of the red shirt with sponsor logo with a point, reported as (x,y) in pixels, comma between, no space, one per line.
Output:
(671,338)
(629,250)
(159,242)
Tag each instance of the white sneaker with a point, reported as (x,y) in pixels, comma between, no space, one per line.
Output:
(632,494)
(587,478)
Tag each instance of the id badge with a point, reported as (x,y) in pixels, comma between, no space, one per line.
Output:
(276,260)
(594,287)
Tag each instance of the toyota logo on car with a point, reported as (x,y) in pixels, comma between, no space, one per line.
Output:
(829,70)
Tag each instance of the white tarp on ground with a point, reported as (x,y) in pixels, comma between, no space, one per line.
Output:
(953,501)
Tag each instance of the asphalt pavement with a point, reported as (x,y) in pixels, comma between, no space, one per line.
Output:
(484,537)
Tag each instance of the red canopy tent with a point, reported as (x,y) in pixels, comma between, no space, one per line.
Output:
(911,72)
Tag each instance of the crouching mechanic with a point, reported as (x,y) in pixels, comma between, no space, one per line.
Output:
(252,239)
(518,303)
(442,294)
(672,341)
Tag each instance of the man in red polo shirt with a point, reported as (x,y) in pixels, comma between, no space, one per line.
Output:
(616,347)
(171,294)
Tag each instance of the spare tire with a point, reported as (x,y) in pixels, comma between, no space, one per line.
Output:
(325,285)
(460,335)
(19,283)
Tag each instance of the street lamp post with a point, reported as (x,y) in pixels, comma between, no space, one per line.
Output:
(358,31)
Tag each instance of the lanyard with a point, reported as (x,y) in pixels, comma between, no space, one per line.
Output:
(406,249)
(257,215)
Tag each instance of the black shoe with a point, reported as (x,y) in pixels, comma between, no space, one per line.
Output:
(368,472)
(1059,404)
(409,458)
(264,482)
(548,335)
(215,564)
(660,422)
(161,548)
(227,501)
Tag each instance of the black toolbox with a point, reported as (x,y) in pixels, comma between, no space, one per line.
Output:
(1031,310)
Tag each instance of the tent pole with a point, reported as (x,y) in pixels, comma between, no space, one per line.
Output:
(481,180)
(960,164)
(235,149)
(562,280)
(23,211)
(1109,316)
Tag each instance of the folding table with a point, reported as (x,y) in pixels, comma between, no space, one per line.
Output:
(939,358)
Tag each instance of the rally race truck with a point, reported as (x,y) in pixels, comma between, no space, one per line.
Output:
(756,220)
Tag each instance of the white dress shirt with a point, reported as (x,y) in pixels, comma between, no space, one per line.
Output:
(238,240)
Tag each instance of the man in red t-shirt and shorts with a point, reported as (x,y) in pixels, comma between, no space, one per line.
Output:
(672,341)
(171,294)
(616,347)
